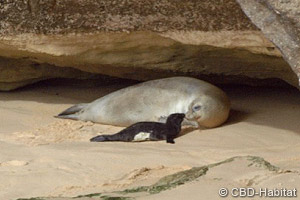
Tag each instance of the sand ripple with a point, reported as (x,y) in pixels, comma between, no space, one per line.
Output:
(62,131)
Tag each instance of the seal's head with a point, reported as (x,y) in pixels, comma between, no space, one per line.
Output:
(209,111)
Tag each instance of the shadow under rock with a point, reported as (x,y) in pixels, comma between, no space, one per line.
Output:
(236,116)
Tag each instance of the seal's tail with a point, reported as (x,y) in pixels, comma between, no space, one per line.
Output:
(71,113)
(99,138)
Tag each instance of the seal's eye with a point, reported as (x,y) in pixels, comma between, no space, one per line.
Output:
(196,108)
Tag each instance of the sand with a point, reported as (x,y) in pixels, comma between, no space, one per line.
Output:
(42,156)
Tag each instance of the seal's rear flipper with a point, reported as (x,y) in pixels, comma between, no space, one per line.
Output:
(75,117)
(99,138)
(114,137)
(104,138)
(70,113)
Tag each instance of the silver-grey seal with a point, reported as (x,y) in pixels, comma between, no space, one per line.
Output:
(203,104)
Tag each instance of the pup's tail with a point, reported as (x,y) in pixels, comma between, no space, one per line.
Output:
(71,113)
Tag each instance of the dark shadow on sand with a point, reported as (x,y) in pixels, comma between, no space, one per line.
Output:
(186,130)
(236,116)
(66,91)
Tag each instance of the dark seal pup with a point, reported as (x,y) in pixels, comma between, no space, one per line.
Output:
(142,131)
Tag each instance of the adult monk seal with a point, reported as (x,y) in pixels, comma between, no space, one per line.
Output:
(143,131)
(203,104)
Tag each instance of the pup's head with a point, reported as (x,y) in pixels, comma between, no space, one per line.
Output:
(176,118)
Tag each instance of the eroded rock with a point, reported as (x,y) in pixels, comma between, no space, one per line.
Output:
(279,20)
(16,73)
(139,40)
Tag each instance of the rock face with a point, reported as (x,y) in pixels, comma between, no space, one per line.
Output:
(19,72)
(134,39)
(280,22)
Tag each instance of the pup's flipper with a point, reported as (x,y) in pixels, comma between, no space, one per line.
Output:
(114,137)
(99,138)
(170,139)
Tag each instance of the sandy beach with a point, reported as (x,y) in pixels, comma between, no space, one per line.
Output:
(42,156)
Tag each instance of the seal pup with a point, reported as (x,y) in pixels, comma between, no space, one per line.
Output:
(142,131)
(204,104)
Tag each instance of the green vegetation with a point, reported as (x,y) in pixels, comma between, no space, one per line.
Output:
(173,180)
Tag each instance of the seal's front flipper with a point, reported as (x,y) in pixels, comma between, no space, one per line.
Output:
(170,140)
